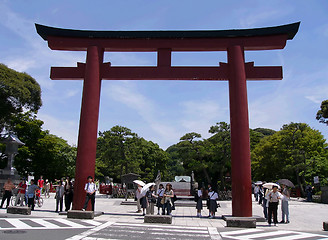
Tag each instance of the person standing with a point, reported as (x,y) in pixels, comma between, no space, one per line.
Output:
(90,190)
(265,203)
(8,188)
(160,193)
(59,196)
(41,183)
(168,199)
(47,189)
(284,204)
(256,192)
(199,204)
(309,191)
(20,198)
(213,206)
(68,194)
(31,191)
(151,200)
(138,197)
(273,199)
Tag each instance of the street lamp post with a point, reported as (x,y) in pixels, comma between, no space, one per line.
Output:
(12,144)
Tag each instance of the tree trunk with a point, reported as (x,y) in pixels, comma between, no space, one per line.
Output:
(207,176)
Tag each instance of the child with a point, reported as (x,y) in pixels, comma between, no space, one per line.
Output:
(213,206)
(199,205)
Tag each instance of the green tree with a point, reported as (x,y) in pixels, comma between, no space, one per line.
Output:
(43,153)
(322,114)
(295,152)
(120,151)
(18,92)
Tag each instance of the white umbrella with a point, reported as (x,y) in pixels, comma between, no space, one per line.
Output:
(146,187)
(139,182)
(259,183)
(270,185)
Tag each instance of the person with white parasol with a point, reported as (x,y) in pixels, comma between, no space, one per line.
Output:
(140,184)
(273,200)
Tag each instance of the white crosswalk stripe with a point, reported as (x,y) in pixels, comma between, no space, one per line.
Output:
(249,234)
(45,223)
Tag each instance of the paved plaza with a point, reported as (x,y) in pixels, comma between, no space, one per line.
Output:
(122,222)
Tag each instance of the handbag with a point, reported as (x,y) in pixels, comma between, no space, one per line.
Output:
(162,201)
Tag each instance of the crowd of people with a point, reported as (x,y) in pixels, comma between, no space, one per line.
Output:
(270,198)
(29,193)
(164,199)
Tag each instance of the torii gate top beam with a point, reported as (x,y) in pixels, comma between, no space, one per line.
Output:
(147,41)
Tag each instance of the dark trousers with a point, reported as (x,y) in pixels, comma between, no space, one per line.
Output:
(92,198)
(168,208)
(30,203)
(6,195)
(59,201)
(272,210)
(68,201)
(265,209)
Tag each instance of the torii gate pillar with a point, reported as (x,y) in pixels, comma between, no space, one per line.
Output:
(239,127)
(88,131)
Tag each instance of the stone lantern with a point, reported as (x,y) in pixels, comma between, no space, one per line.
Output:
(12,143)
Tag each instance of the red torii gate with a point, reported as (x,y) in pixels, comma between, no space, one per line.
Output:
(235,42)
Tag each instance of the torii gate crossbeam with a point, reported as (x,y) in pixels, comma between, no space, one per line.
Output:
(236,71)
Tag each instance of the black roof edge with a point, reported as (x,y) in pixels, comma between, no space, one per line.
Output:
(289,29)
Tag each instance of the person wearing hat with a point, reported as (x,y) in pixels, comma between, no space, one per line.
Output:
(273,199)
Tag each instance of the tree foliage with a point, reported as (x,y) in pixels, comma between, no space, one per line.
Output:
(322,114)
(120,151)
(18,92)
(295,152)
(43,153)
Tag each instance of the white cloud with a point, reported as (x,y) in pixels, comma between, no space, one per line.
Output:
(125,92)
(66,129)
(199,115)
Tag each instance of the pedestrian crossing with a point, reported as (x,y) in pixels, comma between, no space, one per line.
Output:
(149,232)
(45,223)
(250,234)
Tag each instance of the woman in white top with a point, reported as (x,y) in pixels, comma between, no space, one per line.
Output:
(213,196)
(160,193)
(199,205)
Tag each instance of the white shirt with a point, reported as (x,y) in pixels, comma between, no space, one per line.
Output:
(285,194)
(273,197)
(256,189)
(199,193)
(213,195)
(90,187)
(160,192)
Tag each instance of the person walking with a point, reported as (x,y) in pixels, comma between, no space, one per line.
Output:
(20,198)
(31,191)
(160,193)
(59,196)
(151,200)
(168,199)
(273,199)
(213,206)
(199,204)
(68,193)
(41,183)
(8,188)
(90,190)
(284,204)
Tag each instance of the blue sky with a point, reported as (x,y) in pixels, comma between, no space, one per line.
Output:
(163,111)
